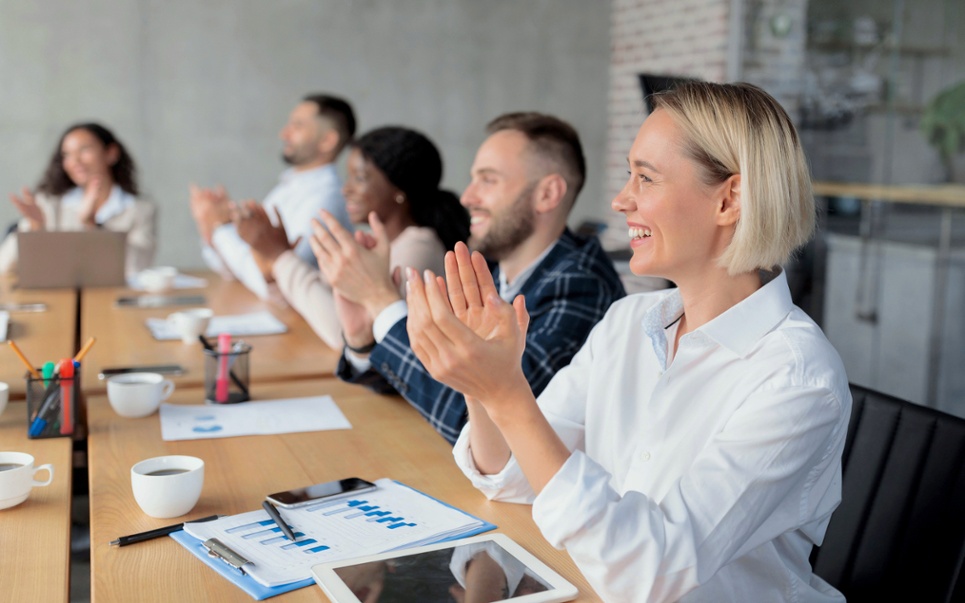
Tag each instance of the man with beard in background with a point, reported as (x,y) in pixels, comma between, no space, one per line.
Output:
(319,127)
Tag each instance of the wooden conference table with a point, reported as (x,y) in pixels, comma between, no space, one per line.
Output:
(35,535)
(123,339)
(46,335)
(388,439)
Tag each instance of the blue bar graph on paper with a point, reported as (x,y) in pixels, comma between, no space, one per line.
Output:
(401,525)
(317,549)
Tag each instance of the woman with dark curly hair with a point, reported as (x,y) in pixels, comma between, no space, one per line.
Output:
(393,184)
(90,182)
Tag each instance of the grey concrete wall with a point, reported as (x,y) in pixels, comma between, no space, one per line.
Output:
(198,89)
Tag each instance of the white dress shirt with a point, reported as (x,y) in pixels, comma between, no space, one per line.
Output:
(298,196)
(705,479)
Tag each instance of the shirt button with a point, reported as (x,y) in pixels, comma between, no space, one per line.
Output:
(645,455)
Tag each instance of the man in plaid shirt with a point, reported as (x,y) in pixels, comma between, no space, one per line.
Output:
(525,180)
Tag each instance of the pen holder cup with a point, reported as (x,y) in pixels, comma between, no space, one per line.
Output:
(226,375)
(52,406)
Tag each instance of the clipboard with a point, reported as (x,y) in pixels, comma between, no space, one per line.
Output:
(259,591)
(239,578)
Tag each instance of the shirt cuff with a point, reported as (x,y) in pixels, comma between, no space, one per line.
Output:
(509,485)
(387,318)
(359,364)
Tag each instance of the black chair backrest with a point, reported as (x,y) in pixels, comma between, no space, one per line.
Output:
(899,534)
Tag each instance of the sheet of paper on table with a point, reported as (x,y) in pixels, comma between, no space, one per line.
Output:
(238,325)
(291,415)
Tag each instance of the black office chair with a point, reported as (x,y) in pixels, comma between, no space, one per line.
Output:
(899,534)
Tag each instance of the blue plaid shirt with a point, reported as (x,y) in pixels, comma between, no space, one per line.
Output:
(566,295)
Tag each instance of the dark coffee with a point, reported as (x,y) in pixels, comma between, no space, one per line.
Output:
(167,472)
(9,466)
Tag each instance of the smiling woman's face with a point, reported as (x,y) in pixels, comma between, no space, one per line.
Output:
(672,216)
(85,157)
(367,189)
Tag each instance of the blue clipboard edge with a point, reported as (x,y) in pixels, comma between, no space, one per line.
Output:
(259,591)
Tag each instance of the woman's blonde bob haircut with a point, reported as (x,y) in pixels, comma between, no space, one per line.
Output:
(740,129)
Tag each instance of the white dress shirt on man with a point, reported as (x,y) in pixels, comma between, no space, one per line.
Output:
(298,196)
(707,478)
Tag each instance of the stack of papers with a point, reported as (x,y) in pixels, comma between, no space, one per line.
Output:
(256,323)
(392,517)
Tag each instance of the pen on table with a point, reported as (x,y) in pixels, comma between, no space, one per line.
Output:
(83,351)
(30,367)
(277,518)
(157,533)
(231,373)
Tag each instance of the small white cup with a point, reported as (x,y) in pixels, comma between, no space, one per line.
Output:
(159,278)
(135,395)
(167,486)
(191,323)
(17,477)
(4,396)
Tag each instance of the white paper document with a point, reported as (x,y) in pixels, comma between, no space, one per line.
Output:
(291,415)
(4,324)
(256,323)
(181,281)
(391,517)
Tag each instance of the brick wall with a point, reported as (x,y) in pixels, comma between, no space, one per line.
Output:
(713,40)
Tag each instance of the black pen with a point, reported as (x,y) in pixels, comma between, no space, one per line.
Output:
(276,517)
(157,533)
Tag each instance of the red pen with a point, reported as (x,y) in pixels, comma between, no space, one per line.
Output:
(221,383)
(66,370)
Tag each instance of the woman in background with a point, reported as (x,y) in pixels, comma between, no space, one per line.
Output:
(90,182)
(393,183)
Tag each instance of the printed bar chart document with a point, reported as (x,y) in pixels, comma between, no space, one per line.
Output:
(237,325)
(391,517)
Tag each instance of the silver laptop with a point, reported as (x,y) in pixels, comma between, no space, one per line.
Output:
(89,258)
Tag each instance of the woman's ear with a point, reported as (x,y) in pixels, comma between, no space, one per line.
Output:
(113,154)
(729,205)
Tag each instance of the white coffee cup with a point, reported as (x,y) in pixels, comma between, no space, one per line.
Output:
(4,396)
(191,323)
(159,278)
(17,477)
(167,486)
(135,395)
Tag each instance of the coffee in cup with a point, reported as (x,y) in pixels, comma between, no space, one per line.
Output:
(167,486)
(189,324)
(135,395)
(17,477)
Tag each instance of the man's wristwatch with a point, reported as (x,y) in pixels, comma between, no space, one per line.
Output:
(365,349)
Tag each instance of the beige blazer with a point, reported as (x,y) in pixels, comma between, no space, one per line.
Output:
(138,220)
(304,287)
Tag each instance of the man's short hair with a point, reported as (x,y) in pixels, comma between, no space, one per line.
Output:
(337,111)
(740,129)
(551,139)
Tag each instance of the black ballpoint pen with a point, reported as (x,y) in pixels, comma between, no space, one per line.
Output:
(157,533)
(277,518)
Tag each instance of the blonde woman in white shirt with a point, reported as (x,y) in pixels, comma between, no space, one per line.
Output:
(692,449)
(90,182)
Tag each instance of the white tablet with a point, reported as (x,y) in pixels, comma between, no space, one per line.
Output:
(490,567)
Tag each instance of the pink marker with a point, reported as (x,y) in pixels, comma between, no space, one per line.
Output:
(221,383)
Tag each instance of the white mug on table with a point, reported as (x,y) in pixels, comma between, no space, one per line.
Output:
(167,486)
(17,477)
(189,324)
(135,395)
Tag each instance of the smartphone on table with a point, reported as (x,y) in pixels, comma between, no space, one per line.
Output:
(326,491)
(164,369)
